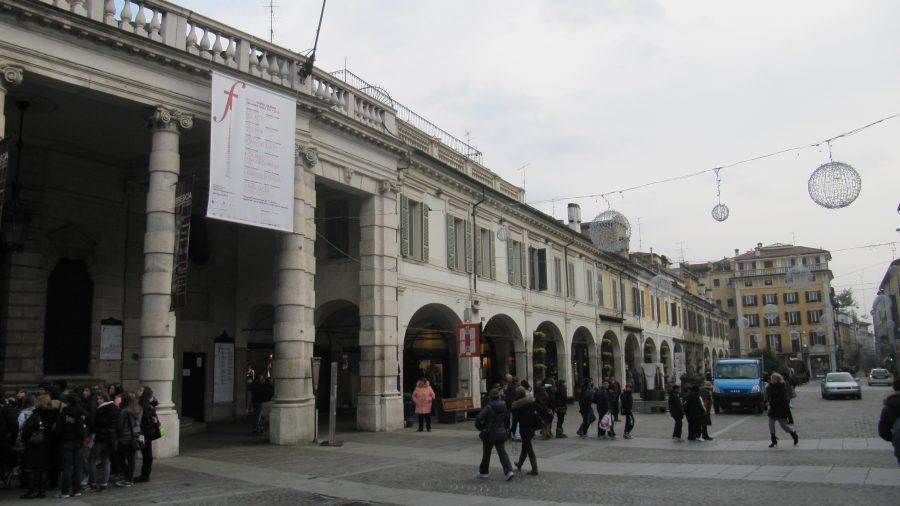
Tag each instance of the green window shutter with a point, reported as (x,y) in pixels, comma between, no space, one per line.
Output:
(451,242)
(490,239)
(522,269)
(470,260)
(404,225)
(425,210)
(510,259)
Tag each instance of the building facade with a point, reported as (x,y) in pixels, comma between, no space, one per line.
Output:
(398,237)
(885,318)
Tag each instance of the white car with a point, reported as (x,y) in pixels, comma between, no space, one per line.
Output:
(880,377)
(840,384)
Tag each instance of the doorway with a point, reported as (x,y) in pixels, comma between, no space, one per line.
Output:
(67,322)
(193,385)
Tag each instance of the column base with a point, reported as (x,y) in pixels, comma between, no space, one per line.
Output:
(168,445)
(292,423)
(379,413)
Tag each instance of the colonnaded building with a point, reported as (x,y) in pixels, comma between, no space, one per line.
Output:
(365,239)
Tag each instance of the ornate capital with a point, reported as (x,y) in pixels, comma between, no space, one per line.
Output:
(165,118)
(306,155)
(388,186)
(11,75)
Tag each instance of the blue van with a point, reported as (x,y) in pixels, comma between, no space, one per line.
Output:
(738,384)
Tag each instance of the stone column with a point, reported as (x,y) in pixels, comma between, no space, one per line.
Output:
(157,363)
(293,409)
(12,76)
(380,406)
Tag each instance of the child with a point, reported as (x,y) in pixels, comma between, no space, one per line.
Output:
(625,404)
(676,410)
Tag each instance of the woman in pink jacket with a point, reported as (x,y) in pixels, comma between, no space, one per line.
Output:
(423,396)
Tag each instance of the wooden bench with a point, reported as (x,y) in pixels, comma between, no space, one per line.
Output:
(455,405)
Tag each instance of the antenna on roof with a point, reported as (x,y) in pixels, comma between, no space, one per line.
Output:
(271,6)
(307,68)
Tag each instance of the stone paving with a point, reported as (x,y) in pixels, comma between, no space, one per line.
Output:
(836,462)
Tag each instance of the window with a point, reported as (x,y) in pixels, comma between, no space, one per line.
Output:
(719,302)
(814,296)
(792,317)
(814,315)
(773,321)
(635,302)
(748,283)
(791,298)
(615,294)
(570,280)
(658,314)
(515,263)
(674,314)
(557,276)
(817,337)
(652,307)
(754,341)
(716,283)
(774,342)
(770,298)
(643,311)
(67,319)
(753,319)
(768,281)
(537,269)
(732,323)
(600,289)
(413,229)
(730,302)
(589,278)
(459,244)
(749,300)
(767,264)
(485,263)
(795,345)
(337,228)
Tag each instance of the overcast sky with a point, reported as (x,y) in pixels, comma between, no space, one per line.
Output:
(599,95)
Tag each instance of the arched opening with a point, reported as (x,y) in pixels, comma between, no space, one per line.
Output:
(337,340)
(67,319)
(609,355)
(665,356)
(260,349)
(650,354)
(707,362)
(584,355)
(548,345)
(428,350)
(502,351)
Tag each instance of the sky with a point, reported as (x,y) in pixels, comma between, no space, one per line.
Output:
(594,96)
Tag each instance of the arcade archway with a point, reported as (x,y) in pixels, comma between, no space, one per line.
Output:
(428,350)
(502,350)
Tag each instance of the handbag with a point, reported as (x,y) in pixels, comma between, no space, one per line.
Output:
(139,440)
(37,437)
(606,422)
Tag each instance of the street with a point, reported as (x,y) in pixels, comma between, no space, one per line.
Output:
(840,460)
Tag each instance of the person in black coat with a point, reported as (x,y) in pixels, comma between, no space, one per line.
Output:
(528,413)
(890,413)
(491,421)
(694,412)
(542,399)
(105,440)
(584,407)
(150,429)
(70,431)
(779,408)
(562,398)
(604,406)
(128,431)
(626,404)
(40,450)
(707,398)
(676,411)
(9,430)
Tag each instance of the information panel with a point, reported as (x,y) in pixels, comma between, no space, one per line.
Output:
(251,160)
(223,374)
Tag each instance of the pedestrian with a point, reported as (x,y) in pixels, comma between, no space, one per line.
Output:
(423,396)
(562,398)
(40,451)
(491,422)
(779,408)
(676,411)
(528,413)
(693,411)
(105,441)
(604,407)
(70,431)
(542,401)
(9,431)
(27,409)
(889,423)
(584,407)
(626,403)
(509,396)
(128,432)
(150,428)
(615,391)
(706,399)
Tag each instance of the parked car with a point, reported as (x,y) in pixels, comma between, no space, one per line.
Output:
(840,384)
(880,377)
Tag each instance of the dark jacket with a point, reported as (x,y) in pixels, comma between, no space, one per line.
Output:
(40,455)
(778,400)
(890,413)
(561,398)
(128,426)
(9,426)
(526,411)
(626,402)
(105,422)
(70,424)
(676,410)
(492,420)
(693,407)
(149,420)
(586,398)
(89,407)
(601,399)
(509,395)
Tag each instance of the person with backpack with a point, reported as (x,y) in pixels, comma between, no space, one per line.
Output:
(491,422)
(626,403)
(528,413)
(105,440)
(130,438)
(889,423)
(39,454)
(150,428)
(676,411)
(69,430)
(561,395)
(584,407)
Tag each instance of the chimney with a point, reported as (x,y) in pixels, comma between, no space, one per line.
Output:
(737,252)
(574,211)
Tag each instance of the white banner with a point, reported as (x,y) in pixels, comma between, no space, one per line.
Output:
(251,155)
(110,342)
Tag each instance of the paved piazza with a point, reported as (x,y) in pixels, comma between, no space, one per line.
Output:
(840,460)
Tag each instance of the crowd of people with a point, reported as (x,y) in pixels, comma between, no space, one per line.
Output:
(76,440)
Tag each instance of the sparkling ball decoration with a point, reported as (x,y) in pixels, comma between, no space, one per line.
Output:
(744,322)
(720,212)
(503,233)
(834,185)
(755,338)
(770,311)
(610,231)
(795,335)
(820,332)
(798,276)
(661,284)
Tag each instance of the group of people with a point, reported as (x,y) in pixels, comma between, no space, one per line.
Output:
(610,400)
(77,439)
(691,402)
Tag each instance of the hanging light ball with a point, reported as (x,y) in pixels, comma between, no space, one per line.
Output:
(755,338)
(834,185)
(744,322)
(610,231)
(798,276)
(660,283)
(770,311)
(720,212)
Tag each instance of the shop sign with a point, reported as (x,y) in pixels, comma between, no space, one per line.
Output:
(468,339)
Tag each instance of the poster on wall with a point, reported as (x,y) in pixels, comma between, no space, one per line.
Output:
(467,339)
(223,372)
(251,157)
(110,339)
(679,361)
(183,207)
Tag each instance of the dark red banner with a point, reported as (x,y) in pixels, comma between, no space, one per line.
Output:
(4,170)
(183,206)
